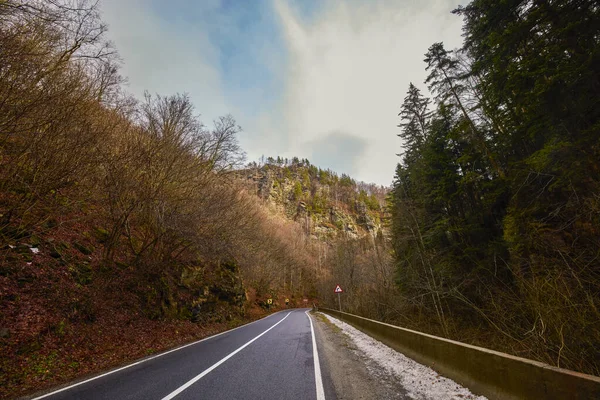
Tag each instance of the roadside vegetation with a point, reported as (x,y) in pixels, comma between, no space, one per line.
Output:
(128,226)
(495,206)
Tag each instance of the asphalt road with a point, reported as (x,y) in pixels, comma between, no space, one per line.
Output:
(273,358)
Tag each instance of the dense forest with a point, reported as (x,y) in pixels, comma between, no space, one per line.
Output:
(127,226)
(495,204)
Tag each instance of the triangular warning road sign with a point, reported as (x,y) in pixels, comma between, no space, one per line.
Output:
(337,289)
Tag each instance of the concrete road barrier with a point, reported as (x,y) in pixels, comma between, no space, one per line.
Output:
(487,372)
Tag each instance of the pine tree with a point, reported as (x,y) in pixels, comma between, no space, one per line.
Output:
(414,117)
(444,80)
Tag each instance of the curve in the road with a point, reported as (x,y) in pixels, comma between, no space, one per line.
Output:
(284,364)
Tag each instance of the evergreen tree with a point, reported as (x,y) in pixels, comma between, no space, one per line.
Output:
(414,117)
(445,80)
(494,205)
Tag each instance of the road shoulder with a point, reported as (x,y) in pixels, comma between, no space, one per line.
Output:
(347,372)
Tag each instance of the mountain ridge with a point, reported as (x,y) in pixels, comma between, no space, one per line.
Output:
(327,205)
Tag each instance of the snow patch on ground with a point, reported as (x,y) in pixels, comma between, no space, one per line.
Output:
(420,382)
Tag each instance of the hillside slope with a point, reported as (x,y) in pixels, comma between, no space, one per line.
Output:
(326,205)
(68,310)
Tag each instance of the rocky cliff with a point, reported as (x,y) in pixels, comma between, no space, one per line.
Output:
(326,205)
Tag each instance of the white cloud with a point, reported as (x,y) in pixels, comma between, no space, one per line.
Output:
(165,56)
(342,74)
(173,53)
(348,71)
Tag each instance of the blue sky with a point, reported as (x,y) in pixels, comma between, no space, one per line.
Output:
(241,31)
(321,80)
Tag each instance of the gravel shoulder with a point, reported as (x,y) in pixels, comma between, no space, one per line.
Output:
(347,372)
(376,371)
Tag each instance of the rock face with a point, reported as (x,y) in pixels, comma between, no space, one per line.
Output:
(217,291)
(264,184)
(363,218)
(300,194)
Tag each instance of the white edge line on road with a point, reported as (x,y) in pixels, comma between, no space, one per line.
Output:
(208,370)
(147,359)
(318,378)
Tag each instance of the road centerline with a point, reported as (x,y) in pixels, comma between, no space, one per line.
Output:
(218,363)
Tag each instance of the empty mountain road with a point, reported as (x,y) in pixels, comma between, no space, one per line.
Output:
(272,358)
(292,354)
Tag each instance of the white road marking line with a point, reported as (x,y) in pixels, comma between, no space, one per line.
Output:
(208,370)
(146,359)
(318,378)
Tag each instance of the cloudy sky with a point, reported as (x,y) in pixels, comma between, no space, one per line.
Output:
(316,79)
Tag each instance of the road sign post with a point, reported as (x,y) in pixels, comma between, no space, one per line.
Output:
(338,289)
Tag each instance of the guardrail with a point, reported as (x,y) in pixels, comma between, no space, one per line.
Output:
(490,373)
